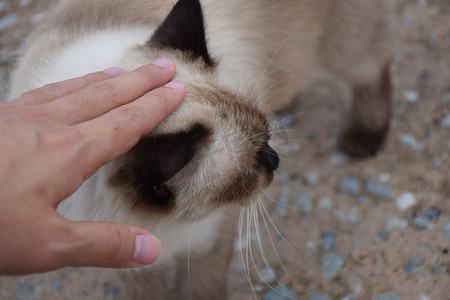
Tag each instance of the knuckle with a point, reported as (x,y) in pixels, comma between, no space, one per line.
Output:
(108,89)
(114,244)
(132,113)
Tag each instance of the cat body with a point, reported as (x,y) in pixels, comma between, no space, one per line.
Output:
(240,61)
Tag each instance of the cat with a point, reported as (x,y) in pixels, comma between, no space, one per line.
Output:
(241,61)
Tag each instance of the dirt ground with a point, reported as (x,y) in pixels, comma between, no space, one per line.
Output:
(342,229)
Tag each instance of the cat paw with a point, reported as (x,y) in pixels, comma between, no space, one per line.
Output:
(359,142)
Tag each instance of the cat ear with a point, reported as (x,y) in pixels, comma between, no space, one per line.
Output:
(184,30)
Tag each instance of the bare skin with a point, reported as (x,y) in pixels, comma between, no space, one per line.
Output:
(54,138)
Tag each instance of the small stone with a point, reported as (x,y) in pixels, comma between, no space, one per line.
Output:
(282,205)
(431,214)
(312,179)
(24,2)
(328,239)
(310,244)
(278,293)
(437,163)
(446,121)
(422,3)
(348,297)
(396,223)
(389,296)
(423,297)
(412,265)
(384,235)
(350,185)
(384,177)
(348,218)
(304,201)
(405,201)
(8,21)
(111,291)
(331,265)
(376,189)
(437,269)
(362,200)
(267,275)
(409,141)
(338,158)
(317,296)
(411,96)
(408,21)
(422,223)
(24,291)
(446,230)
(325,203)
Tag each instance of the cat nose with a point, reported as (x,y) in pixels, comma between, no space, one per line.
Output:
(268,158)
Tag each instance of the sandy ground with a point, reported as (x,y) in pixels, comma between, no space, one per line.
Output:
(342,229)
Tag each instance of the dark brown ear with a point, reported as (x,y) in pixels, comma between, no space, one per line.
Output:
(154,160)
(184,30)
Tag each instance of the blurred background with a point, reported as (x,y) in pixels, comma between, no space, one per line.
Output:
(332,227)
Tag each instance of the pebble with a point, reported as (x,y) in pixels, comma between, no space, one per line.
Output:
(317,296)
(446,230)
(422,223)
(437,163)
(24,2)
(362,200)
(349,185)
(348,218)
(24,291)
(411,96)
(8,21)
(338,158)
(423,297)
(388,296)
(384,177)
(446,121)
(376,189)
(405,200)
(331,265)
(348,297)
(111,291)
(431,214)
(384,235)
(396,223)
(304,201)
(279,292)
(409,141)
(328,239)
(267,275)
(412,265)
(325,203)
(437,269)
(408,21)
(312,179)
(281,206)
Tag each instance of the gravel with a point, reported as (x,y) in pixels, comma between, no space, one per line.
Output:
(410,142)
(328,239)
(377,189)
(412,265)
(350,185)
(446,230)
(405,200)
(317,296)
(390,296)
(422,223)
(279,292)
(303,201)
(331,265)
(266,275)
(395,223)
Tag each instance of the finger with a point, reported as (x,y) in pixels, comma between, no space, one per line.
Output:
(116,132)
(103,96)
(104,244)
(56,90)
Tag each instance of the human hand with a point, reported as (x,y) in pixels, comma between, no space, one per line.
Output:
(54,138)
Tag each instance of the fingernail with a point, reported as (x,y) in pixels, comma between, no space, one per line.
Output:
(147,249)
(114,71)
(175,85)
(163,63)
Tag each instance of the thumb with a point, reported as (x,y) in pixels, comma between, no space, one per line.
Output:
(110,245)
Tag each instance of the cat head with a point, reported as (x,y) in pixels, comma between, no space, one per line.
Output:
(213,150)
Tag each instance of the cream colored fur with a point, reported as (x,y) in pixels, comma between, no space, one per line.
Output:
(265,51)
